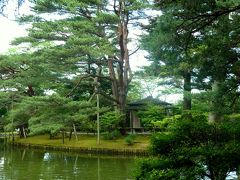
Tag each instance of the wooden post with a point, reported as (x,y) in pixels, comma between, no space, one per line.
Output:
(131,121)
(63,136)
(12,123)
(5,137)
(96,83)
(98,123)
(75,132)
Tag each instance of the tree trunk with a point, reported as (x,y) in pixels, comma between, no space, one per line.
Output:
(70,135)
(217,103)
(12,136)
(30,91)
(24,133)
(238,172)
(187,99)
(50,135)
(124,70)
(218,176)
(216,173)
(21,132)
(114,81)
(121,69)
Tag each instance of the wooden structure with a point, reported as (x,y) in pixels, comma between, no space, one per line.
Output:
(134,107)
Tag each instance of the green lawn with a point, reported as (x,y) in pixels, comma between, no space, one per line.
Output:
(87,141)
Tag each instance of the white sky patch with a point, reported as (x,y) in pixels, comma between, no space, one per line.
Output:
(171,98)
(9,31)
(138,60)
(49,92)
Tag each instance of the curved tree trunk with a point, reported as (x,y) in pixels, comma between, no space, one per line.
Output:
(121,76)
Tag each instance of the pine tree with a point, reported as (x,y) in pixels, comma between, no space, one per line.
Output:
(88,37)
(198,37)
(171,53)
(51,114)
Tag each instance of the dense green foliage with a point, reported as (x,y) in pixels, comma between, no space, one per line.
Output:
(151,115)
(194,149)
(51,114)
(194,44)
(75,50)
(90,38)
(79,49)
(110,124)
(110,121)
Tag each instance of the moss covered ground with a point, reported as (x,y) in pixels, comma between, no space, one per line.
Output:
(87,141)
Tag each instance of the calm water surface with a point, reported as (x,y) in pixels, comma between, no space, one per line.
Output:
(21,164)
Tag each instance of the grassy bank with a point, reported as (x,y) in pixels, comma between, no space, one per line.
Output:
(87,142)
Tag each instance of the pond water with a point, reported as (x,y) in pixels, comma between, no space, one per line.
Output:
(21,164)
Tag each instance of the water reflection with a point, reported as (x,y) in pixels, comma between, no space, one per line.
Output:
(1,162)
(27,164)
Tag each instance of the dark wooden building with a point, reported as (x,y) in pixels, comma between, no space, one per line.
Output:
(134,107)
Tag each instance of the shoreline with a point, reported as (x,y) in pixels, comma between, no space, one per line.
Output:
(83,150)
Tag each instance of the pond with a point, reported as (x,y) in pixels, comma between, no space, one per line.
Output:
(20,164)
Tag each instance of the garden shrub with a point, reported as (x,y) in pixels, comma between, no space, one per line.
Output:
(130,139)
(152,114)
(192,148)
(110,121)
(111,135)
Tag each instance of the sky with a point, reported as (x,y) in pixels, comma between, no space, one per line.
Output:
(8,31)
(9,28)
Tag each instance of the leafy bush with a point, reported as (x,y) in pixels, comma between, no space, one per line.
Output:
(192,148)
(165,122)
(232,117)
(110,121)
(111,135)
(130,139)
(152,114)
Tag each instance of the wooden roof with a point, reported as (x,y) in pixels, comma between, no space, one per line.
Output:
(148,100)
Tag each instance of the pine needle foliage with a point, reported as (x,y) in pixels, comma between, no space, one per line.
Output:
(51,114)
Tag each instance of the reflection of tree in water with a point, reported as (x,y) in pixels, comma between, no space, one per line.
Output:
(46,156)
(28,164)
